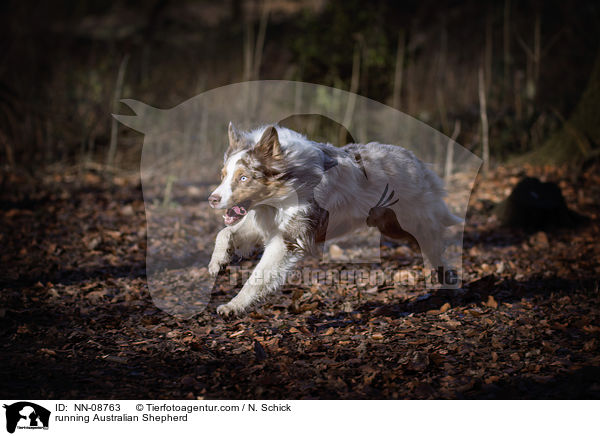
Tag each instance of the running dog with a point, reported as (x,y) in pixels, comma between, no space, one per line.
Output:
(283,191)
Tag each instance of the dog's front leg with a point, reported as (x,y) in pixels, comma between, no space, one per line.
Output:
(266,278)
(222,252)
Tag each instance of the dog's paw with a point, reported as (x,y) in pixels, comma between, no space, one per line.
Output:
(214,267)
(229,310)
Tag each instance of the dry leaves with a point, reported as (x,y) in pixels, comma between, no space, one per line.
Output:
(78,321)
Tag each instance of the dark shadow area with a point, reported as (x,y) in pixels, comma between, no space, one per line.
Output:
(504,290)
(582,384)
(72,277)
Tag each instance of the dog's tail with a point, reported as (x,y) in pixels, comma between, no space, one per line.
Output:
(450,219)
(444,216)
(438,192)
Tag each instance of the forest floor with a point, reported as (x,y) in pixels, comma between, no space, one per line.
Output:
(77,319)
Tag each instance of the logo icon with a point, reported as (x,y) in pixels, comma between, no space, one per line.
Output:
(182,161)
(26,415)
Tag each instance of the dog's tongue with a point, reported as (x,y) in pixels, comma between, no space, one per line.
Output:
(239,210)
(234,214)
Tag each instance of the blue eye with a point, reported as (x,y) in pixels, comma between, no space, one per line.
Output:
(243,178)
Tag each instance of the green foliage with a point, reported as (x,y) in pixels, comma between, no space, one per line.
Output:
(324,45)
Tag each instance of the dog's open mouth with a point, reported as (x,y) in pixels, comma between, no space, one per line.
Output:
(234,214)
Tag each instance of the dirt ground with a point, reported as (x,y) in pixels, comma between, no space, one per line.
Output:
(77,320)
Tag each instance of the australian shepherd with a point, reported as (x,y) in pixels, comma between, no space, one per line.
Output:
(287,193)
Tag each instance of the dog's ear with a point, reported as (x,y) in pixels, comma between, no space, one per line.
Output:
(268,145)
(236,140)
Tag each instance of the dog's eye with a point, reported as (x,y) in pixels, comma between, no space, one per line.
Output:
(243,178)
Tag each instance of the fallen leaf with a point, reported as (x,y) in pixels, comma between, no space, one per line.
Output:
(491,302)
(445,307)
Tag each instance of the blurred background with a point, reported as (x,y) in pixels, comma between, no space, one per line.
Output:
(521,78)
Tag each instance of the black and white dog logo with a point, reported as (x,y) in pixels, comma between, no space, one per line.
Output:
(26,415)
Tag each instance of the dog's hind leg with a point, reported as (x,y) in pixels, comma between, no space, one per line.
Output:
(430,237)
(268,276)
(432,247)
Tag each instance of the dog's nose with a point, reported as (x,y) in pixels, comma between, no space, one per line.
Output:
(214,199)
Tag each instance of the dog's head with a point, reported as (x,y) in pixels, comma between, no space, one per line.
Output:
(253,174)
